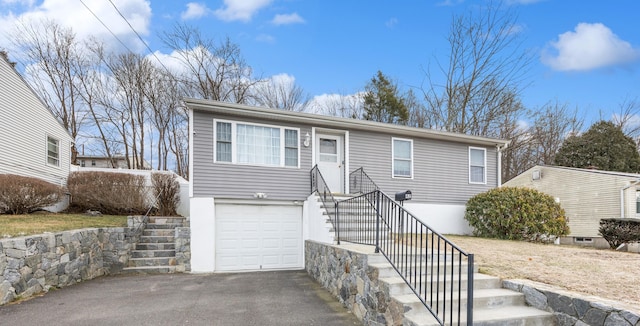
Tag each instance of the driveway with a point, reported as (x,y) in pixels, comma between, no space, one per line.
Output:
(260,298)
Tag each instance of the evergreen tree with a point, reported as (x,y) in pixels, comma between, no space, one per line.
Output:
(603,146)
(383,103)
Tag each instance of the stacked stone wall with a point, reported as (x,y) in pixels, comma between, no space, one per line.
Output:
(572,309)
(347,276)
(33,264)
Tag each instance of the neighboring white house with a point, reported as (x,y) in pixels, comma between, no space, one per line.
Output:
(587,196)
(32,141)
(92,161)
(250,180)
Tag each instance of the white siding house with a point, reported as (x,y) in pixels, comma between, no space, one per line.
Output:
(587,196)
(32,141)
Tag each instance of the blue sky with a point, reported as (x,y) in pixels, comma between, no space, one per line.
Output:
(587,53)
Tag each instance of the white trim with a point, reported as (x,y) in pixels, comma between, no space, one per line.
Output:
(344,135)
(346,163)
(191,136)
(484,167)
(46,157)
(234,151)
(393,159)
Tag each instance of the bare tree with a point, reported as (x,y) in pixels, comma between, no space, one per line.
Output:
(56,62)
(339,105)
(553,123)
(628,118)
(215,71)
(280,92)
(484,74)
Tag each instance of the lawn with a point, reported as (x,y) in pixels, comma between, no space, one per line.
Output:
(604,273)
(29,224)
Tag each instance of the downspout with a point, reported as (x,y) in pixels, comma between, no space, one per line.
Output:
(622,206)
(499,154)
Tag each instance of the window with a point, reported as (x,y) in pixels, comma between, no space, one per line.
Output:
(637,201)
(53,151)
(477,165)
(93,162)
(402,158)
(328,150)
(255,144)
(82,163)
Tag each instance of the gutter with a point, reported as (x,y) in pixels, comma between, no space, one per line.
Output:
(499,150)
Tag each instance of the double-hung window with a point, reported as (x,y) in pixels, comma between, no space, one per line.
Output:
(53,151)
(402,158)
(477,165)
(254,144)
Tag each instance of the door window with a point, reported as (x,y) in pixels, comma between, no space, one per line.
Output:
(328,150)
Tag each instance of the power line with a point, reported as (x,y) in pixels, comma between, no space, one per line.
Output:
(139,37)
(105,26)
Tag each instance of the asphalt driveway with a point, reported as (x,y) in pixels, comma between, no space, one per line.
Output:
(260,298)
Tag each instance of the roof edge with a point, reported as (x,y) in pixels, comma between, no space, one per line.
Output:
(311,118)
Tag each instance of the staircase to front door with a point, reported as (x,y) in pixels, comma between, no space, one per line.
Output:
(155,251)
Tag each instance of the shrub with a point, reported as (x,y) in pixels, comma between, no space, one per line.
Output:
(619,231)
(21,195)
(108,192)
(516,214)
(167,193)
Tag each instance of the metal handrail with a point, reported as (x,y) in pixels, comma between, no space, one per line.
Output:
(430,264)
(319,186)
(360,182)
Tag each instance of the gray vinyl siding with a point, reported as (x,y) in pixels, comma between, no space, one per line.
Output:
(237,181)
(440,168)
(25,124)
(586,196)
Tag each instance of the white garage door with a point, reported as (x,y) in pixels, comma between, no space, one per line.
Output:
(254,237)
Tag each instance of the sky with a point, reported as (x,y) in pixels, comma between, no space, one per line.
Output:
(586,54)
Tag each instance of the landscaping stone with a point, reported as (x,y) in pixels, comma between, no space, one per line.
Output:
(573,309)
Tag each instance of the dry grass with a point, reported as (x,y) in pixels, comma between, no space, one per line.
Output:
(29,224)
(604,273)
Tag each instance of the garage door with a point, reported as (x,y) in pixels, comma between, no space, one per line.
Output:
(254,237)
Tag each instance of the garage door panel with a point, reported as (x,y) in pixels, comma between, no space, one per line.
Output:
(252,237)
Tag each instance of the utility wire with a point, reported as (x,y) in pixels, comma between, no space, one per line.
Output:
(139,37)
(105,26)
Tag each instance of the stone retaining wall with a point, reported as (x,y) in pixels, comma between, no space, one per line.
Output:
(32,264)
(183,249)
(572,309)
(346,275)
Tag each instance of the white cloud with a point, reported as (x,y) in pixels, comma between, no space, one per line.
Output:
(286,19)
(194,11)
(340,105)
(391,22)
(242,10)
(590,46)
(71,13)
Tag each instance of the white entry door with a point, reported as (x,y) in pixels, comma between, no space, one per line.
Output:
(329,156)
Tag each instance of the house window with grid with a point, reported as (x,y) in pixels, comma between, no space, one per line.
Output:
(402,158)
(477,165)
(255,144)
(53,151)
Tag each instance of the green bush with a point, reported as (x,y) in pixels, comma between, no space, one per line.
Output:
(22,195)
(167,193)
(516,214)
(619,231)
(108,192)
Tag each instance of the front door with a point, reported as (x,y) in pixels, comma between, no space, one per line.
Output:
(329,155)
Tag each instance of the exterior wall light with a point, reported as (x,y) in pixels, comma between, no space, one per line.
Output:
(307,140)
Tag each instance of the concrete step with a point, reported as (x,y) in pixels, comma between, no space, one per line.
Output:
(425,268)
(154,261)
(167,220)
(398,286)
(156,239)
(163,226)
(482,299)
(509,315)
(159,232)
(156,246)
(149,270)
(152,253)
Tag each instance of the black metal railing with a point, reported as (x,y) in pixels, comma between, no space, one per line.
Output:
(319,186)
(432,266)
(360,183)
